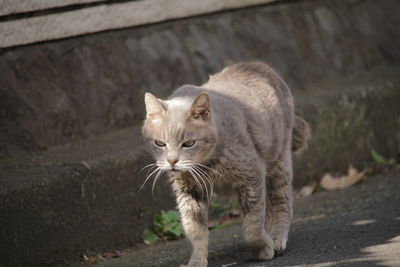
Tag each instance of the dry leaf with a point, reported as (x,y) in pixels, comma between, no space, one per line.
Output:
(307,190)
(110,255)
(330,183)
(234,212)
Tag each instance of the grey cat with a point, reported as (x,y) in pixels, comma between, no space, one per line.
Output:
(237,129)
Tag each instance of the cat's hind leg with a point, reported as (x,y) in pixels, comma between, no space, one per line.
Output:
(279,188)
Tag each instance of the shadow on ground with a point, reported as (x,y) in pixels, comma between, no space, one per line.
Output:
(368,237)
(358,226)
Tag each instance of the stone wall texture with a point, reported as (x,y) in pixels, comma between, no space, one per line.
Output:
(56,92)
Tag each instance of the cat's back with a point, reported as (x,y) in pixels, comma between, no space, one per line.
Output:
(254,101)
(254,85)
(248,79)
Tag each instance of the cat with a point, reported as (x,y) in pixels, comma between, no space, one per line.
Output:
(239,129)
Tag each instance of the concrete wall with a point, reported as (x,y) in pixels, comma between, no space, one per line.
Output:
(25,21)
(61,91)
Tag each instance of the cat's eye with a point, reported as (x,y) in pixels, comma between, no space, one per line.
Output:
(189,143)
(159,143)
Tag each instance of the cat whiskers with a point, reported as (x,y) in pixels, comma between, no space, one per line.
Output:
(155,180)
(158,172)
(192,173)
(187,165)
(147,166)
(211,169)
(207,177)
(198,173)
(148,177)
(150,167)
(204,178)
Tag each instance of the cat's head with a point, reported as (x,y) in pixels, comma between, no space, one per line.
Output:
(179,132)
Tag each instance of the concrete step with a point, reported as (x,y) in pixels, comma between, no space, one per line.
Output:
(56,204)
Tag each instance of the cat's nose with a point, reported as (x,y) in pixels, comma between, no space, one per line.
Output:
(172,161)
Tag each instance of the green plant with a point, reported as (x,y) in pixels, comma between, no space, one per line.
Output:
(380,159)
(223,225)
(166,225)
(149,237)
(218,209)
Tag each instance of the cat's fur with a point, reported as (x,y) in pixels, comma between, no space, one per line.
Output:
(245,130)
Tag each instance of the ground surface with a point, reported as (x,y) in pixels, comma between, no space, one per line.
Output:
(358,226)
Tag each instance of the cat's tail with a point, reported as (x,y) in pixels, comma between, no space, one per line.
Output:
(300,135)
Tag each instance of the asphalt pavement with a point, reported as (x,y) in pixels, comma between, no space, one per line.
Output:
(357,226)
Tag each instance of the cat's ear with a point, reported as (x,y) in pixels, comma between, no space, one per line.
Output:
(154,106)
(201,107)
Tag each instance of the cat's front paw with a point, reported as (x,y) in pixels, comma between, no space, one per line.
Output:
(265,253)
(196,263)
(279,245)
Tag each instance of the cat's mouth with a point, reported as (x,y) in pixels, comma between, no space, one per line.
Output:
(175,170)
